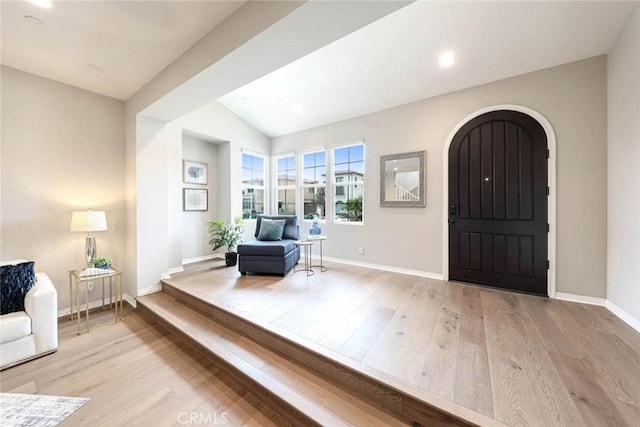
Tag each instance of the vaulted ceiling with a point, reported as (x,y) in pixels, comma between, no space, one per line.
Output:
(116,47)
(394,60)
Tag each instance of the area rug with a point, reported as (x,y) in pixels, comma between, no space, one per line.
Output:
(26,410)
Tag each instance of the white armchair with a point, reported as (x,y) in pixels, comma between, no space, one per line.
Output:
(32,333)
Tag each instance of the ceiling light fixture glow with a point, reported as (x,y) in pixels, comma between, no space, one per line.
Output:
(45,4)
(447,59)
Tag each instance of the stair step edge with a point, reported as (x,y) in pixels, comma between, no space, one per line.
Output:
(305,406)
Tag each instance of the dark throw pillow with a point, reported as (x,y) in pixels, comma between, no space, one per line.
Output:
(15,282)
(271,229)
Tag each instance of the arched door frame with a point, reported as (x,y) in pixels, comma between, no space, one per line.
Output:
(551,177)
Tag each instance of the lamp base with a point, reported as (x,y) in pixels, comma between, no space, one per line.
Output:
(90,249)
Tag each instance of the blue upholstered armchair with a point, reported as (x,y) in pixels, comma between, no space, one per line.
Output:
(269,253)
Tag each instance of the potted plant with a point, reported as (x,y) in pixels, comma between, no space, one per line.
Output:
(226,234)
(101,262)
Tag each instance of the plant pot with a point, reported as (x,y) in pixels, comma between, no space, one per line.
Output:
(231,258)
(315,229)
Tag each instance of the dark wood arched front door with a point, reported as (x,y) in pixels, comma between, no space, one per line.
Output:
(498,202)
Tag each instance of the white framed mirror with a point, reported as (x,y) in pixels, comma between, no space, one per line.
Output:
(402,179)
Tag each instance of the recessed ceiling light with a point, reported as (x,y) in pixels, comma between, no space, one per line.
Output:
(447,59)
(297,109)
(46,4)
(33,19)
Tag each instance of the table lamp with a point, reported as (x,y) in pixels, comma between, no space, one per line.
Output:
(89,221)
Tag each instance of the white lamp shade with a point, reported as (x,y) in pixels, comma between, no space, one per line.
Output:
(88,221)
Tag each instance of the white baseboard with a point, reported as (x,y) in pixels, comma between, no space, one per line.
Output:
(408,271)
(150,290)
(132,301)
(95,304)
(175,270)
(202,258)
(623,315)
(180,269)
(602,302)
(581,299)
(171,271)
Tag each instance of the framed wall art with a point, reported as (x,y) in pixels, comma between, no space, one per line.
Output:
(195,199)
(194,172)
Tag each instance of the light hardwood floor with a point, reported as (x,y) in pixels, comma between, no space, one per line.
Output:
(520,359)
(136,374)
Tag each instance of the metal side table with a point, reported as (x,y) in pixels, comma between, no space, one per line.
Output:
(318,238)
(306,245)
(79,277)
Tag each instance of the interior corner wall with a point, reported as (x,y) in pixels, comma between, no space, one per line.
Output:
(62,150)
(159,224)
(243,25)
(219,122)
(195,238)
(623,157)
(224,176)
(572,97)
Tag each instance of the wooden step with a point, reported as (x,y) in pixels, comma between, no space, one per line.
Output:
(406,402)
(301,397)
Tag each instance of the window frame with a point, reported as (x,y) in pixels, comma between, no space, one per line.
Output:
(276,187)
(313,188)
(347,182)
(253,187)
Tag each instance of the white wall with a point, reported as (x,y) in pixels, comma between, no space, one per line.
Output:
(623,157)
(195,239)
(572,97)
(153,213)
(217,121)
(62,150)
(255,40)
(159,184)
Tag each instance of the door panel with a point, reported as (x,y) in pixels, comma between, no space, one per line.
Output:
(498,202)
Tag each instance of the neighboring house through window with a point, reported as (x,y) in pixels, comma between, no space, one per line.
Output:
(314,180)
(348,172)
(339,188)
(286,180)
(253,190)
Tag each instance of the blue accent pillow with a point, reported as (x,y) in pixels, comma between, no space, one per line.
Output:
(271,229)
(15,282)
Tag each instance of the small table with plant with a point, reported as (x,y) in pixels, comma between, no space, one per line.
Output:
(100,269)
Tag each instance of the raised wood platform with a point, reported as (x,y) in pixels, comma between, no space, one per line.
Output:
(299,396)
(517,359)
(303,385)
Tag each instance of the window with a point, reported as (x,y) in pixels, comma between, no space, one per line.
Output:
(252,186)
(339,188)
(314,181)
(348,170)
(286,185)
